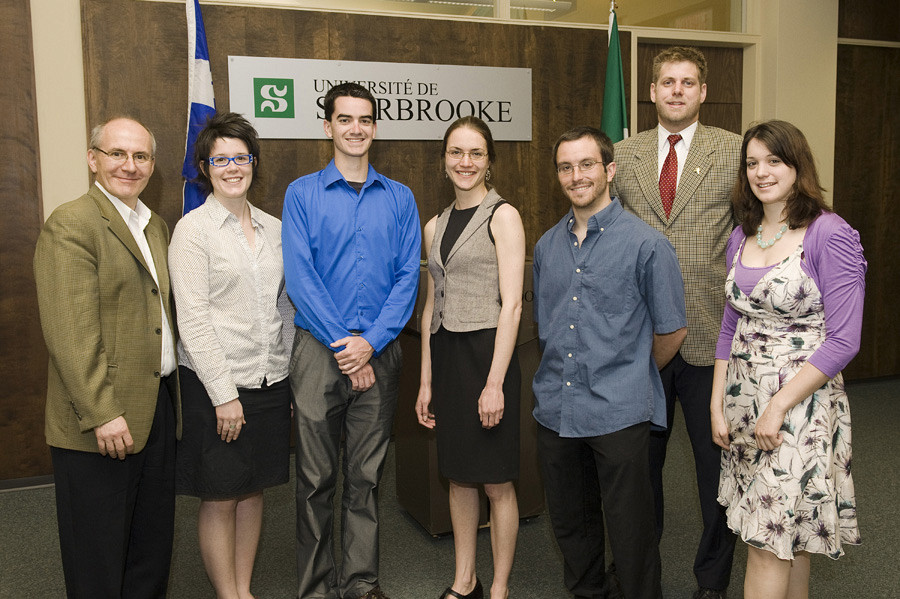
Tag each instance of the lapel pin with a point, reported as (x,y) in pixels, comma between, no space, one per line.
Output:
(697,170)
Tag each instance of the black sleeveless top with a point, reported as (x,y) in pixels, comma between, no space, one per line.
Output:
(455,225)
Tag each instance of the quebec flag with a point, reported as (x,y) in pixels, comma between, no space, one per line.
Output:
(201,102)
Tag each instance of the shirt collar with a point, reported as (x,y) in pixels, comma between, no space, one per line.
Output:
(600,220)
(140,210)
(219,213)
(687,135)
(332,175)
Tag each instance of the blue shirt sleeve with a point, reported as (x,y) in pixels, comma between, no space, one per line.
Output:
(663,287)
(316,310)
(402,298)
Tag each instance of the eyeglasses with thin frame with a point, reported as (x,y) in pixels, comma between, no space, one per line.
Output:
(584,166)
(474,155)
(222,161)
(120,156)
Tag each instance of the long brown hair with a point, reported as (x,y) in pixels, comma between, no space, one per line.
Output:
(788,143)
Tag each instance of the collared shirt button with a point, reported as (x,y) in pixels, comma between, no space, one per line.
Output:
(570,355)
(602,229)
(568,384)
(577,270)
(571,326)
(575,298)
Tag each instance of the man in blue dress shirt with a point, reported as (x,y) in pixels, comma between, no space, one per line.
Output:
(609,302)
(352,246)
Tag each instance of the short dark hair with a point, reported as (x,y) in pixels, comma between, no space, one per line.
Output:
(223,124)
(681,54)
(476,124)
(353,90)
(788,143)
(607,153)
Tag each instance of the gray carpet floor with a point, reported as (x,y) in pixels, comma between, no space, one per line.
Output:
(415,565)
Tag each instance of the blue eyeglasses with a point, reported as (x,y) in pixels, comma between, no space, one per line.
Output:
(239,160)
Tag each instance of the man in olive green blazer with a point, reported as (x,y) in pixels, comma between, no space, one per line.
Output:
(113,409)
(697,222)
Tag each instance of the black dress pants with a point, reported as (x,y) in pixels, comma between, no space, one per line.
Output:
(117,517)
(692,385)
(585,477)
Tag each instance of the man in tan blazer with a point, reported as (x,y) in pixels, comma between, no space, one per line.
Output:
(113,408)
(678,179)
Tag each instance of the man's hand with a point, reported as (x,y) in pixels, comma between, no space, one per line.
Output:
(114,438)
(230,420)
(363,379)
(355,355)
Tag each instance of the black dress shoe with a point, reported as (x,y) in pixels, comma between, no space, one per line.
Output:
(477,592)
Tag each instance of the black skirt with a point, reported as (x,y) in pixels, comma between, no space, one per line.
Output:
(468,453)
(210,468)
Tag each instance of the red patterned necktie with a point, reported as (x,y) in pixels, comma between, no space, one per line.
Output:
(668,177)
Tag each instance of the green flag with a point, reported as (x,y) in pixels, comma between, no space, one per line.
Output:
(614,120)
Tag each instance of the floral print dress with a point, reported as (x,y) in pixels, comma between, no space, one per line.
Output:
(798,497)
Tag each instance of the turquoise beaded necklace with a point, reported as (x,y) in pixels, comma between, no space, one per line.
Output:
(767,244)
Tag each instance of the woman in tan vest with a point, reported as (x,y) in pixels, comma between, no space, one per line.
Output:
(470,383)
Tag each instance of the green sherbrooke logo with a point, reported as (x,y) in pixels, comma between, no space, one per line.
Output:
(273,98)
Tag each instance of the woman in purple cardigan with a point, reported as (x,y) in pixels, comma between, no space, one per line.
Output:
(795,293)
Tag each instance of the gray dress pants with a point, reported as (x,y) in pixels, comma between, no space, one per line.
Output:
(327,411)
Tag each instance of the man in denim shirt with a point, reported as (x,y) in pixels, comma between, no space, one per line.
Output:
(610,312)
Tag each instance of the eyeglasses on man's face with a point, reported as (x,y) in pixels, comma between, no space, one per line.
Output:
(584,166)
(121,156)
(474,155)
(222,161)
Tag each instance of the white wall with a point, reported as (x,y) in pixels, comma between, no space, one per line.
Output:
(797,70)
(59,84)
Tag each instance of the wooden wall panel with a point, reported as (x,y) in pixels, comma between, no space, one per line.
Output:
(722,107)
(23,452)
(135,63)
(869,19)
(867,192)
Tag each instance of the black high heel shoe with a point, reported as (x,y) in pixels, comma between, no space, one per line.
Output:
(477,592)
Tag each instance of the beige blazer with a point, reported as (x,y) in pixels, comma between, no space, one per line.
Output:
(100,313)
(699,224)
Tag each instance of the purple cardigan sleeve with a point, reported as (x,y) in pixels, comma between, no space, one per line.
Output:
(835,261)
(730,317)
